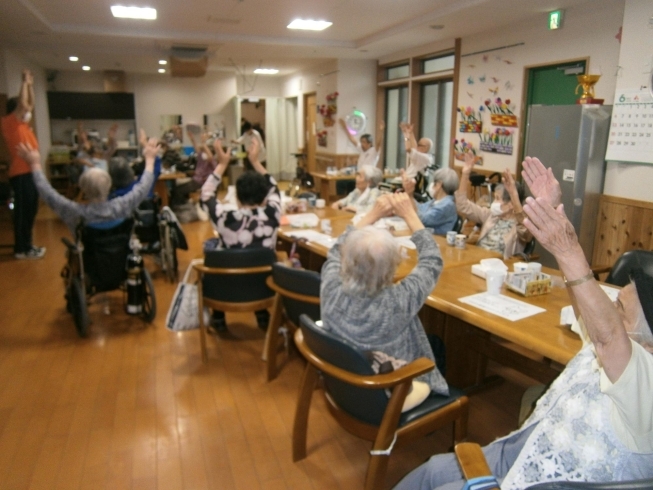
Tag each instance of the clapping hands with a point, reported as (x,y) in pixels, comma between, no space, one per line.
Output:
(541,181)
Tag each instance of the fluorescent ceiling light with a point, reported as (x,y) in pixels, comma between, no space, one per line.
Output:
(266,71)
(73,58)
(146,13)
(163,62)
(309,25)
(162,70)
(86,68)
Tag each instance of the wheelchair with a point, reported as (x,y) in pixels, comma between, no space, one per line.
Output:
(159,231)
(103,260)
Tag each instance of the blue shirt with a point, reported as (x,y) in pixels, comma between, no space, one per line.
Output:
(440,215)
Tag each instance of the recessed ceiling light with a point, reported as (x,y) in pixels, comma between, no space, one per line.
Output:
(266,71)
(162,70)
(122,12)
(163,62)
(86,68)
(73,58)
(309,25)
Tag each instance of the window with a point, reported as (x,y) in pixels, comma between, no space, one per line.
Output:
(439,63)
(435,118)
(395,72)
(396,111)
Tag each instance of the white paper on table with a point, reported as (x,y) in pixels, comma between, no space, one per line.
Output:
(503,306)
(303,220)
(405,241)
(313,237)
(567,316)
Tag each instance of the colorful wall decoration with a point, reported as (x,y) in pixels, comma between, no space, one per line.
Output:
(322,139)
(328,110)
(462,147)
(470,120)
(500,112)
(498,142)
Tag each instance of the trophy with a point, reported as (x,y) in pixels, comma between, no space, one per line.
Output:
(587,82)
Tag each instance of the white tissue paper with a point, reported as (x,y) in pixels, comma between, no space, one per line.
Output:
(303,220)
(480,269)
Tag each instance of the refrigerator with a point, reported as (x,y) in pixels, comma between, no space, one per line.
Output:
(572,140)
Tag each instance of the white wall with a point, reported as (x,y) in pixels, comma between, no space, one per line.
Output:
(632,180)
(14,63)
(357,88)
(259,86)
(586,32)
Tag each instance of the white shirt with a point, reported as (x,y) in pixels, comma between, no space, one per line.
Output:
(367,157)
(246,140)
(416,162)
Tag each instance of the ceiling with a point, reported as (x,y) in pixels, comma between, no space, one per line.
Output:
(246,33)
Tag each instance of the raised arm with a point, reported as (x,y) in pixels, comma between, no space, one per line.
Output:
(541,181)
(252,154)
(112,143)
(26,94)
(463,187)
(343,125)
(408,184)
(555,233)
(380,134)
(223,158)
(509,184)
(410,142)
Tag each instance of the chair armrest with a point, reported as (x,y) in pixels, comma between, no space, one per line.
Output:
(472,460)
(71,246)
(282,256)
(377,381)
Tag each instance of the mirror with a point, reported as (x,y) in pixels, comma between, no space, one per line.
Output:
(171,129)
(214,125)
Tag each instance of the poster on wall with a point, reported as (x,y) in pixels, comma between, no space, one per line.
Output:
(631,127)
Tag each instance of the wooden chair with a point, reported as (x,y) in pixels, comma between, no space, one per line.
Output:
(619,273)
(297,291)
(473,464)
(233,280)
(356,398)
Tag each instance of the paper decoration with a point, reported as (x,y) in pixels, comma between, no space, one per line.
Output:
(322,137)
(462,147)
(498,142)
(470,120)
(500,112)
(329,109)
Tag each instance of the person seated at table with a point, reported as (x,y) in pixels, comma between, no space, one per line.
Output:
(368,153)
(418,157)
(359,301)
(253,224)
(122,172)
(439,213)
(363,197)
(502,225)
(95,184)
(595,422)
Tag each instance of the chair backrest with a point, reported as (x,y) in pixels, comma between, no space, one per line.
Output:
(364,404)
(105,255)
(633,259)
(529,248)
(238,288)
(298,281)
(458,225)
(147,222)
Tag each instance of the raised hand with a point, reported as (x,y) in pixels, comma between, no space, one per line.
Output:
(28,78)
(407,183)
(150,148)
(252,151)
(508,182)
(142,137)
(541,181)
(402,206)
(470,158)
(550,227)
(223,157)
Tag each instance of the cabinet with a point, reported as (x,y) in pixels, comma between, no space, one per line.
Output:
(59,171)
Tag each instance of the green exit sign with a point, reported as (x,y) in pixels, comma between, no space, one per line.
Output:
(555,19)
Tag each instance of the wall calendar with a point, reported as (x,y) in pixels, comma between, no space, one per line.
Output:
(631,128)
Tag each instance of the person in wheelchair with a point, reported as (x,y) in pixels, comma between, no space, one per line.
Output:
(253,224)
(98,211)
(440,212)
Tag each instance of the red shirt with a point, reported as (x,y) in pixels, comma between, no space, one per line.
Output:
(14,132)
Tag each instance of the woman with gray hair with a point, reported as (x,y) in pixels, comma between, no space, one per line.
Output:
(439,213)
(360,302)
(95,184)
(363,197)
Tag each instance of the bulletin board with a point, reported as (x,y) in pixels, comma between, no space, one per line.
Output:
(631,128)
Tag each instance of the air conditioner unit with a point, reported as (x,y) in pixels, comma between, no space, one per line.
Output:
(188,61)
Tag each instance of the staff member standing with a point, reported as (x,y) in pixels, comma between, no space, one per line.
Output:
(16,129)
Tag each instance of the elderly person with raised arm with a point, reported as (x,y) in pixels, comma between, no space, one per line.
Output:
(363,197)
(95,184)
(502,225)
(439,213)
(595,422)
(418,156)
(360,302)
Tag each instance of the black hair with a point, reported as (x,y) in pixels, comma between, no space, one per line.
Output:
(121,173)
(368,138)
(12,103)
(252,188)
(246,126)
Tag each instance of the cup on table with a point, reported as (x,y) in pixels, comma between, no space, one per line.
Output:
(535,268)
(451,238)
(312,201)
(521,267)
(320,203)
(325,225)
(461,240)
(494,280)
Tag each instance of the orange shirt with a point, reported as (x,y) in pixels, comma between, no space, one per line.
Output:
(14,132)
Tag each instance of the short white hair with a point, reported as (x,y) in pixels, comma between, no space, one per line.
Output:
(95,183)
(370,257)
(449,179)
(373,175)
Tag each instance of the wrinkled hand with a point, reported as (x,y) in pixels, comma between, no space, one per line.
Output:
(151,148)
(30,155)
(407,183)
(509,182)
(401,205)
(382,207)
(541,181)
(550,227)
(469,163)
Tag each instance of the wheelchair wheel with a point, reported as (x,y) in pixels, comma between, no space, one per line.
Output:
(169,253)
(149,299)
(76,304)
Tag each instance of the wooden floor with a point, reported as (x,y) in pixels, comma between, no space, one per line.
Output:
(132,406)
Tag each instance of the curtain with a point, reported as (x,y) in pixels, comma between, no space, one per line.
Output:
(281,136)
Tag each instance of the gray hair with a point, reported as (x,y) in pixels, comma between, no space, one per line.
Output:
(121,173)
(95,184)
(370,257)
(373,175)
(449,179)
(430,142)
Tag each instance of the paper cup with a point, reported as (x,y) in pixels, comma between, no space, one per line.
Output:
(494,280)
(535,267)
(520,267)
(460,241)
(320,203)
(451,238)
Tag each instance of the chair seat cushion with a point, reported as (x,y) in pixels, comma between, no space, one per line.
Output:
(431,404)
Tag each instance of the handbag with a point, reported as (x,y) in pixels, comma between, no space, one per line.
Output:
(183,312)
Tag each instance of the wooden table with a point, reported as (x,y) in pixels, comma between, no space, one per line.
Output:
(161,188)
(327,187)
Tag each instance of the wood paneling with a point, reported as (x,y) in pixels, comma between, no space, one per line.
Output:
(324,160)
(624,224)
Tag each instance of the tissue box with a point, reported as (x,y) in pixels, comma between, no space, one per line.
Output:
(528,284)
(479,269)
